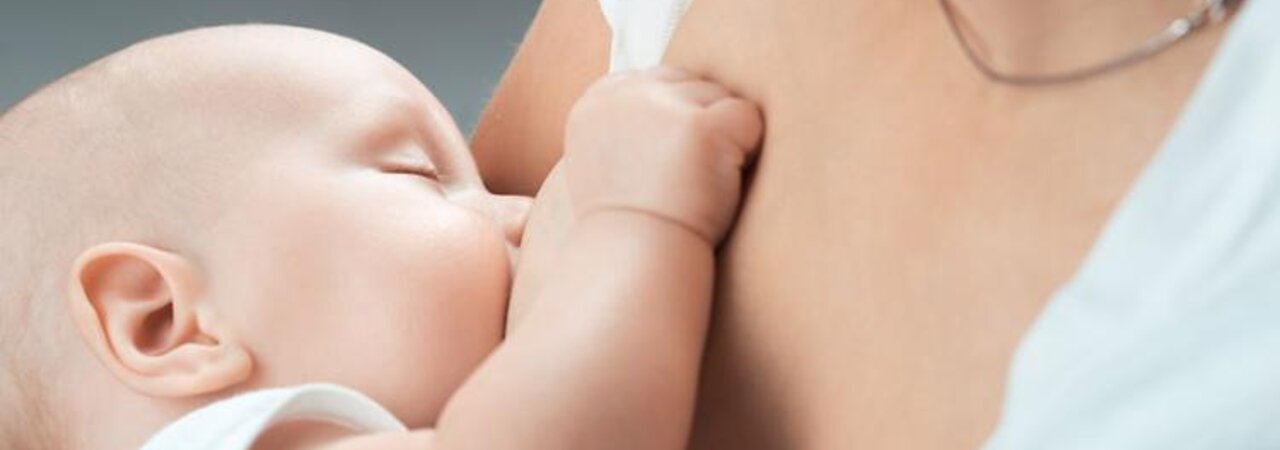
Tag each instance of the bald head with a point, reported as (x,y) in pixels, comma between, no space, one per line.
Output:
(143,146)
(142,124)
(140,143)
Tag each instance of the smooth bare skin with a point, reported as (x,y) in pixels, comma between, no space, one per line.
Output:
(609,358)
(244,207)
(278,206)
(907,219)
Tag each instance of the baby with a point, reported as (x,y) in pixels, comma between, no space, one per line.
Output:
(200,228)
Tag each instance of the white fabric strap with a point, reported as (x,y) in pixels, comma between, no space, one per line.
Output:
(236,423)
(641,30)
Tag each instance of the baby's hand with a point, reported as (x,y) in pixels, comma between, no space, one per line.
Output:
(661,142)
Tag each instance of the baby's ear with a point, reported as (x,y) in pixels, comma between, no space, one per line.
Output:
(141,310)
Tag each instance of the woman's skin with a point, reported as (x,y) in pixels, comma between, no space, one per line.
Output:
(908,218)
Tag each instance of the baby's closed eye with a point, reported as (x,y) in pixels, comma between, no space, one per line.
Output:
(415,168)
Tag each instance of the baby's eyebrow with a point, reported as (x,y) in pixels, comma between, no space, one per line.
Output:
(393,117)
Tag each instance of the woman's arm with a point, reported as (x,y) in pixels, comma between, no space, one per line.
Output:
(520,135)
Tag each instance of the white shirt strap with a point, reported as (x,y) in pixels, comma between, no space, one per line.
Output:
(641,30)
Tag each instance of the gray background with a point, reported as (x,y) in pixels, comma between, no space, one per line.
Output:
(457,47)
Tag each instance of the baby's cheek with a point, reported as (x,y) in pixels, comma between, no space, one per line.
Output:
(451,294)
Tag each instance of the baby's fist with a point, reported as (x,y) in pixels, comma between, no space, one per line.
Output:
(661,142)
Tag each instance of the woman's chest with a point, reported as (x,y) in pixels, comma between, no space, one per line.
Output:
(905,224)
(876,298)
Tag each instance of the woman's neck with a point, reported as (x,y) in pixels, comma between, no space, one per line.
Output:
(1042,36)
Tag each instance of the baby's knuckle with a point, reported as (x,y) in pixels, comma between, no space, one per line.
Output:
(695,131)
(702,124)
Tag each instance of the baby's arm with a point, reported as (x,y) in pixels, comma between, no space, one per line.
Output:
(608,357)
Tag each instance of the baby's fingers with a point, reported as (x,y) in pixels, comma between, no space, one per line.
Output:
(738,120)
(701,93)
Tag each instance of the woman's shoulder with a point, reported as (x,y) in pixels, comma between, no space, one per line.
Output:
(520,134)
(1240,91)
(570,44)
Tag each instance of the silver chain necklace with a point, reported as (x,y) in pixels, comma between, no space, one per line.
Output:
(1212,11)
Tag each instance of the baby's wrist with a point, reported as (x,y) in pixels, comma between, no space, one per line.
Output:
(626,217)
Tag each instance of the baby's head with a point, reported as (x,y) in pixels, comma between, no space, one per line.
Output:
(234,208)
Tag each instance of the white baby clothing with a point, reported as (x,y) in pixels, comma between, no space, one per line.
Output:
(237,422)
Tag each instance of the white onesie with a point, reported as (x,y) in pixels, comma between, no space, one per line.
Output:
(237,422)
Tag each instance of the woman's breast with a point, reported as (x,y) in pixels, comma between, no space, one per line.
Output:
(896,241)
(869,300)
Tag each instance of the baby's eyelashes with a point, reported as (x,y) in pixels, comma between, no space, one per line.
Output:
(422,170)
(409,159)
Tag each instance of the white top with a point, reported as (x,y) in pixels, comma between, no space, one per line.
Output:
(1168,334)
(641,30)
(235,423)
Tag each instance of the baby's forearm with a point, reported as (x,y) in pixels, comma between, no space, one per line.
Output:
(609,356)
